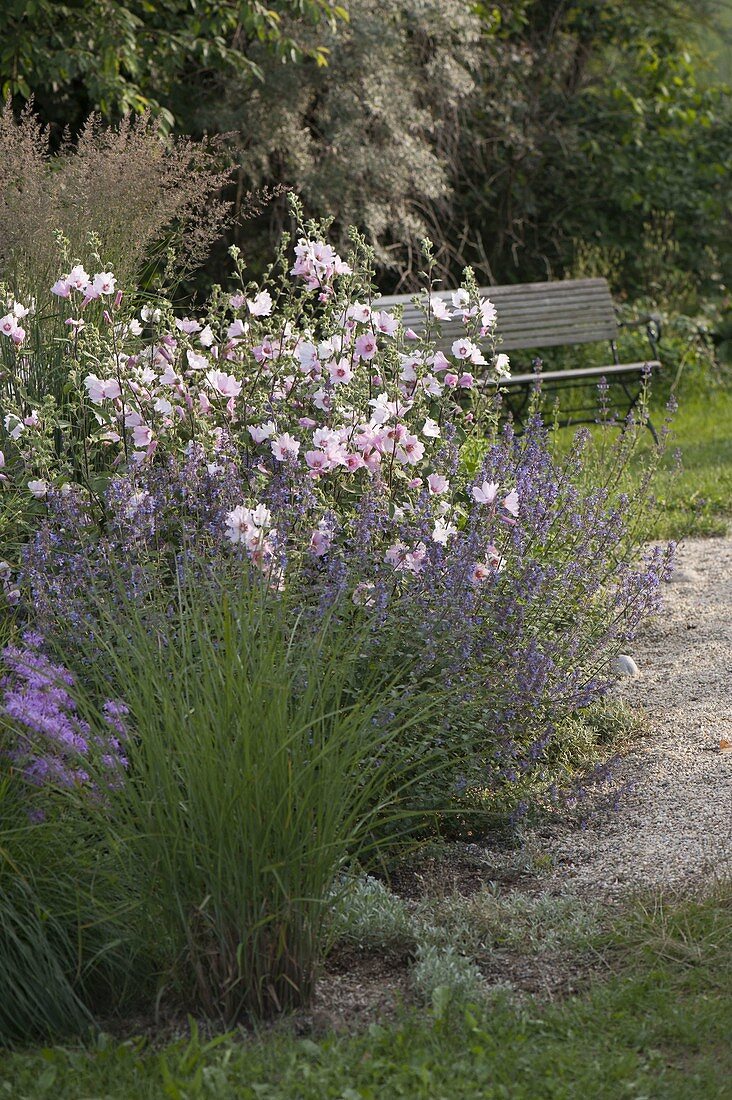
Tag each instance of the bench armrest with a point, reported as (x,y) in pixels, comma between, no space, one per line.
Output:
(653,327)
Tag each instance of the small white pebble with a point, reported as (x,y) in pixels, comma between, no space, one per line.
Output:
(623,665)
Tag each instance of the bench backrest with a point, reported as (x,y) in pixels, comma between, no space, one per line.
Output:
(533,315)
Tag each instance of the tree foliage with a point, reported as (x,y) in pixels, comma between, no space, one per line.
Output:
(115,57)
(516,134)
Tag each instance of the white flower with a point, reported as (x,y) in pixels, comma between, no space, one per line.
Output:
(197,361)
(487,312)
(39,488)
(501,366)
(8,324)
(261,305)
(187,325)
(134,502)
(511,503)
(13,426)
(225,384)
(78,278)
(260,432)
(431,428)
(360,312)
(284,446)
(463,348)
(442,532)
(437,484)
(439,308)
(101,389)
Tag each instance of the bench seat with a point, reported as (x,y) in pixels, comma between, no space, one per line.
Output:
(615,369)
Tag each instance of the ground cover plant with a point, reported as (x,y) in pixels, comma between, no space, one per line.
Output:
(656,1027)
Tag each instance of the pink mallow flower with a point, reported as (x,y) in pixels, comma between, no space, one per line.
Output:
(61,288)
(321,539)
(485,493)
(77,278)
(340,373)
(186,325)
(260,432)
(39,488)
(363,594)
(463,348)
(511,503)
(385,323)
(437,484)
(366,345)
(103,282)
(410,450)
(101,389)
(249,526)
(284,447)
(142,435)
(222,383)
(439,309)
(360,312)
(318,462)
(442,531)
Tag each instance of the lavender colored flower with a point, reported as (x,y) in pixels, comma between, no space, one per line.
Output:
(45,738)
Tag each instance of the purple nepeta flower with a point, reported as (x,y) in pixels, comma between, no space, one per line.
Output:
(45,739)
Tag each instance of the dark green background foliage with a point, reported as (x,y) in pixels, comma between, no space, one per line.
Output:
(515,134)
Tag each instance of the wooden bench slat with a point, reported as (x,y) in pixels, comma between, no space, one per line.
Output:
(516,341)
(614,369)
(555,340)
(526,311)
(531,315)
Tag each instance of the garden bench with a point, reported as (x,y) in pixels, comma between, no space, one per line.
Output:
(553,314)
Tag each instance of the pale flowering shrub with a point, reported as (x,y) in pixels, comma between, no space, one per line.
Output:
(305,380)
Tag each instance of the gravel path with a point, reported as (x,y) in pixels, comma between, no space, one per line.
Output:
(676,826)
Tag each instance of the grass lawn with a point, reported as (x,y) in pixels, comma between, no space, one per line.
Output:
(658,1027)
(698,499)
(695,501)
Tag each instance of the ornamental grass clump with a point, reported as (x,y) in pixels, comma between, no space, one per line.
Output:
(260,767)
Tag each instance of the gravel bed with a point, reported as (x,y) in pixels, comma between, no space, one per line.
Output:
(675,828)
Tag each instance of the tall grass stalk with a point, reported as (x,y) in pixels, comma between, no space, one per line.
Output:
(259,767)
(63,950)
